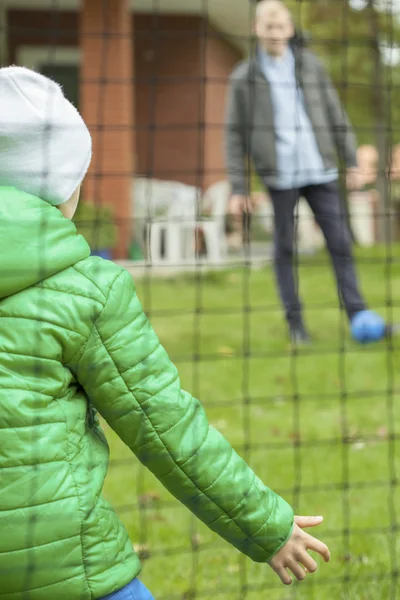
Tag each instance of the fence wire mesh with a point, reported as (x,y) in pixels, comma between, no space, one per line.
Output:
(317,423)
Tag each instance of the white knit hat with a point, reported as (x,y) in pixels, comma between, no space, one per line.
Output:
(45,146)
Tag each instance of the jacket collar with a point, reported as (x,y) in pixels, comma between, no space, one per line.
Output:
(255,70)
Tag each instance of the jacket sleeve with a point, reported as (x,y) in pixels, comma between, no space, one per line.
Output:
(235,143)
(342,129)
(130,380)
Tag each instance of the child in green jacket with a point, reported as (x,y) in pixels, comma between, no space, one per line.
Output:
(75,341)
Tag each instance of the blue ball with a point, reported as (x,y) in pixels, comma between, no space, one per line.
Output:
(367,326)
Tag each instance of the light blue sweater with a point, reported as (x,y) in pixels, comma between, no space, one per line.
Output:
(298,157)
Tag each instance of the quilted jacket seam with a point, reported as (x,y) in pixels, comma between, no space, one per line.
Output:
(222,471)
(78,498)
(177,423)
(14,508)
(105,341)
(126,370)
(67,293)
(46,321)
(19,389)
(235,508)
(262,527)
(70,537)
(75,267)
(155,396)
(43,587)
(245,495)
(45,462)
(80,352)
(108,290)
(13,353)
(140,409)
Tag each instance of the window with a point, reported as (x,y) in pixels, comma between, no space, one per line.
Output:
(67,76)
(60,64)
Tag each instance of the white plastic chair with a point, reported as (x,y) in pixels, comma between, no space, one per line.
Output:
(158,207)
(182,208)
(178,206)
(263,211)
(170,209)
(215,200)
(362,215)
(150,199)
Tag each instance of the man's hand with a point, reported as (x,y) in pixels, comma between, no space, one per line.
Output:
(354,179)
(238,205)
(294,555)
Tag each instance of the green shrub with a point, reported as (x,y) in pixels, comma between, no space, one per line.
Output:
(96,224)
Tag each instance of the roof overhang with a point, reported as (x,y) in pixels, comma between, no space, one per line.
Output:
(231,17)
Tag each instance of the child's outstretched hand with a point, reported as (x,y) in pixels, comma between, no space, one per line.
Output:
(294,555)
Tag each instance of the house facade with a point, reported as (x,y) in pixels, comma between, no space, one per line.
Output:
(150,82)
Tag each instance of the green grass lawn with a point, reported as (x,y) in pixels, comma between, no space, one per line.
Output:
(316,425)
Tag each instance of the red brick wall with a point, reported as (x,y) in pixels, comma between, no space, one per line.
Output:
(41,28)
(221,57)
(108,110)
(169,102)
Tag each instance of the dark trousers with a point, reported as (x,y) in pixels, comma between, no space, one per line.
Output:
(325,203)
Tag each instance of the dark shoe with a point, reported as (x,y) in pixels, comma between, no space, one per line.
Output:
(299,336)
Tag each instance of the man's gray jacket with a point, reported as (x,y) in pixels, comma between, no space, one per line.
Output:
(249,127)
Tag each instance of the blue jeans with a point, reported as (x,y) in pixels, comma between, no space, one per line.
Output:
(135,590)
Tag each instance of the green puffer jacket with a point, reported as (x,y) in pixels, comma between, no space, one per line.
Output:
(74,340)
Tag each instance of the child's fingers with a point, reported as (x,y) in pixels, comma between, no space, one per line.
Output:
(308,562)
(318,546)
(304,522)
(284,575)
(296,569)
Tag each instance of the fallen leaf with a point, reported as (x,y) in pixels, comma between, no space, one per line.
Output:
(234,278)
(359,445)
(221,424)
(142,550)
(226,351)
(148,499)
(196,541)
(346,558)
(233,568)
(295,437)
(382,432)
(155,517)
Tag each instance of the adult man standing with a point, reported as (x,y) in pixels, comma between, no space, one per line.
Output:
(284,115)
